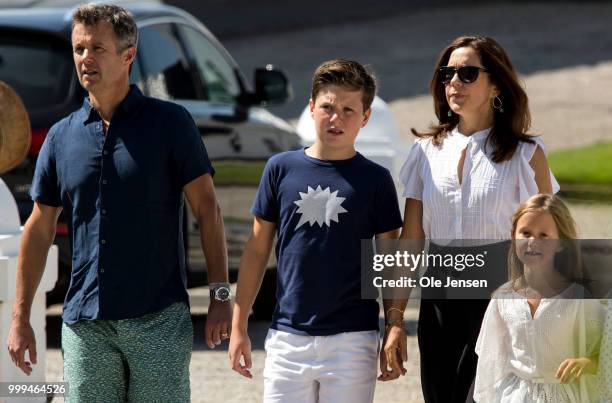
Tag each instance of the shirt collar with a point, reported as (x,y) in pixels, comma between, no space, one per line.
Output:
(475,137)
(133,99)
(89,113)
(129,104)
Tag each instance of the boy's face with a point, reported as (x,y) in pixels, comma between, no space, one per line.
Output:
(338,115)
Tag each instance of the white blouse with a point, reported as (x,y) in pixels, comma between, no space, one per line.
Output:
(481,206)
(519,354)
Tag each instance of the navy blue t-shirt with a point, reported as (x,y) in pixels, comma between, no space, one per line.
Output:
(122,197)
(322,210)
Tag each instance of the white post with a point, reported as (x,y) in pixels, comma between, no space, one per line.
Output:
(10,236)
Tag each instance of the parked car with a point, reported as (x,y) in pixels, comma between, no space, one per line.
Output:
(178,59)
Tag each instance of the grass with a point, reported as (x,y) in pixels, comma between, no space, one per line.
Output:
(585,172)
(591,164)
(234,173)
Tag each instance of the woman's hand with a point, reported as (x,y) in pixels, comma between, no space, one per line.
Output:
(572,369)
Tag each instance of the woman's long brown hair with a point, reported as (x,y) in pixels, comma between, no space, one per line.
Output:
(510,126)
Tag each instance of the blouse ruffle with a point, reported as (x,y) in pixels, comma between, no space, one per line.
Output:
(410,174)
(527,184)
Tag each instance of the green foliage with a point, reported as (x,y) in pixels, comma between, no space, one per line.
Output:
(238,173)
(585,172)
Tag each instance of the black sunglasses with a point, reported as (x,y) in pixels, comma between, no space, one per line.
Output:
(467,74)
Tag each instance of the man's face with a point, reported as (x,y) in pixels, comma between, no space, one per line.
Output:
(338,115)
(99,64)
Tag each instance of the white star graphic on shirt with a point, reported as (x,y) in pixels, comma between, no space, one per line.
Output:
(319,206)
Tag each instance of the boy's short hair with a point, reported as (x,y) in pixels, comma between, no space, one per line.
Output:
(345,73)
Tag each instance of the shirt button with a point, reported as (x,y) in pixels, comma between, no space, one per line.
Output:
(103,211)
(103,241)
(101,270)
(104,182)
(104,152)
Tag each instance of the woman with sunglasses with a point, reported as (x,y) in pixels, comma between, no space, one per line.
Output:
(463,178)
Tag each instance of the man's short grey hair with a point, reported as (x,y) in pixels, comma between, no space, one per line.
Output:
(120,19)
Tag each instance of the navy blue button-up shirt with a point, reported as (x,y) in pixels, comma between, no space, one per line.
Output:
(122,196)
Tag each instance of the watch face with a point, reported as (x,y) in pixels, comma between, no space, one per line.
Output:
(222,293)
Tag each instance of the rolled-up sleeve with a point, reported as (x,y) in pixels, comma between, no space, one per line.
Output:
(188,151)
(45,187)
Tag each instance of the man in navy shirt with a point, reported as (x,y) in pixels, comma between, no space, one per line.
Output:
(118,168)
(321,202)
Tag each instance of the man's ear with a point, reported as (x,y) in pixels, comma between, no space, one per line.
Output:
(129,55)
(366,117)
(311,106)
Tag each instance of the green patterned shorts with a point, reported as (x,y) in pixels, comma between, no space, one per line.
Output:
(144,359)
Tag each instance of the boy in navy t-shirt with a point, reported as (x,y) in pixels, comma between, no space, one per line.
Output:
(320,202)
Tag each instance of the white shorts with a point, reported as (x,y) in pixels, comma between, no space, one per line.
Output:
(307,369)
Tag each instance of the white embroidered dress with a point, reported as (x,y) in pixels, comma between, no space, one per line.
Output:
(518,355)
(481,206)
(605,355)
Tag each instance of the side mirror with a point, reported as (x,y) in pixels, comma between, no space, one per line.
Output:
(271,86)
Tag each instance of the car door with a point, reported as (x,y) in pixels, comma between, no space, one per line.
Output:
(242,152)
(179,63)
(252,137)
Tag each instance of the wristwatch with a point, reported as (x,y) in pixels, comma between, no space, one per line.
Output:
(220,292)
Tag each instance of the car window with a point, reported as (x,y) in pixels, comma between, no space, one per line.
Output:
(216,73)
(166,69)
(38,68)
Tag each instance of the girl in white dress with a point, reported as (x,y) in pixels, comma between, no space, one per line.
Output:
(541,335)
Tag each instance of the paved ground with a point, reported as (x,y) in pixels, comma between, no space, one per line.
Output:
(561,50)
(212,380)
(563,54)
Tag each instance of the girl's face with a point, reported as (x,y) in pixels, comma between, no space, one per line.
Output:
(467,99)
(537,239)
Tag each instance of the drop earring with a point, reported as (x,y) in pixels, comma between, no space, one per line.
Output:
(449,113)
(498,105)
